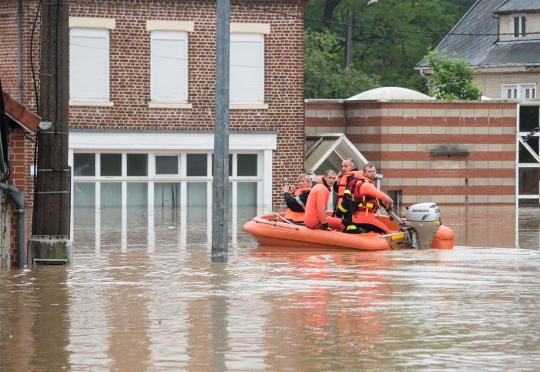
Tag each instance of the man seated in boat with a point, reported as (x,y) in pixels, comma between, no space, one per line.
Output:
(315,216)
(364,201)
(296,199)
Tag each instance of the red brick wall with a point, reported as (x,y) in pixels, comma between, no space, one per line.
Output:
(130,68)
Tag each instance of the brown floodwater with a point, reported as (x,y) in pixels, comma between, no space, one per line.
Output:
(143,295)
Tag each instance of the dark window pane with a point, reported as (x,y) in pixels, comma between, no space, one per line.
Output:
(516,26)
(166,164)
(84,164)
(523,26)
(528,118)
(197,165)
(528,181)
(230,164)
(111,164)
(137,164)
(524,154)
(247,164)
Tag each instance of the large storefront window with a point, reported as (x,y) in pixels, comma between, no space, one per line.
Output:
(160,180)
(158,184)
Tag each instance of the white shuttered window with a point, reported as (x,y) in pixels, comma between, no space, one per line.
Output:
(247,69)
(169,66)
(89,65)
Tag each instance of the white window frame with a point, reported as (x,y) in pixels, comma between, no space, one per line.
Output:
(521,18)
(518,91)
(183,92)
(90,32)
(259,97)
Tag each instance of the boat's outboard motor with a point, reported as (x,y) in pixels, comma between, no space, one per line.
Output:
(424,219)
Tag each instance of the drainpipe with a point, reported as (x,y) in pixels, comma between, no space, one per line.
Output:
(18,198)
(19,47)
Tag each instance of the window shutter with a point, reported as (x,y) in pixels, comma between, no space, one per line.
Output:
(89,65)
(169,67)
(247,69)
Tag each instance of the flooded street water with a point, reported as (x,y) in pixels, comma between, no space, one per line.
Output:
(149,299)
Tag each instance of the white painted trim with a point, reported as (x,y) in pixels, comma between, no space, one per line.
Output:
(91,103)
(91,22)
(247,106)
(250,28)
(267,175)
(187,26)
(170,105)
(167,141)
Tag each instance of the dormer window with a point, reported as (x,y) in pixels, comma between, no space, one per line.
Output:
(520,26)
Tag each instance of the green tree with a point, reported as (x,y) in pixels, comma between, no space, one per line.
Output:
(451,77)
(378,48)
(324,76)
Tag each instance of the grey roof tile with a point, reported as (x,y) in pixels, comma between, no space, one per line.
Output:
(480,46)
(511,6)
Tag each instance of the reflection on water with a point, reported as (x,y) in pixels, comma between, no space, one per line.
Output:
(143,294)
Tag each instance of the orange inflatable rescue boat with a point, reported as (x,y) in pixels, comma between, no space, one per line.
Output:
(421,229)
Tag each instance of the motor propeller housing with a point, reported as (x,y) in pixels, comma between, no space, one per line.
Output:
(424,219)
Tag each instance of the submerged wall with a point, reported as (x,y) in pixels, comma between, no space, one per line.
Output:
(5,239)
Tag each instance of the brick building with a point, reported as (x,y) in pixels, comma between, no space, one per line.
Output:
(142,98)
(448,152)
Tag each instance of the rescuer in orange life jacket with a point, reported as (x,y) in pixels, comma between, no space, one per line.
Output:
(344,177)
(315,217)
(296,199)
(362,196)
(341,188)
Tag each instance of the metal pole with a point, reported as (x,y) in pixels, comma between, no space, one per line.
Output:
(348,38)
(220,186)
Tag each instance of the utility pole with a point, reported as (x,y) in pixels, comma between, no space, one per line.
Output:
(51,199)
(220,186)
(349,32)
(348,38)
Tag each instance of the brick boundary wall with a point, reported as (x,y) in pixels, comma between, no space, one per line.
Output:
(398,136)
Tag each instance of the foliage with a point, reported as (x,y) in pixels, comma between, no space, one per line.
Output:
(378,49)
(451,77)
(324,76)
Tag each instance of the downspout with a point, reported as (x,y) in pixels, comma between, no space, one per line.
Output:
(19,47)
(18,198)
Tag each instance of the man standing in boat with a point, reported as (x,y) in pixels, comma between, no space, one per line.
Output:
(315,216)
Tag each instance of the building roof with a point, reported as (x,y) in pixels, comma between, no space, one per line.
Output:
(20,114)
(475,37)
(511,6)
(391,93)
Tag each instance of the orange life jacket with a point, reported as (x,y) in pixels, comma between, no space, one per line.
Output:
(365,202)
(293,216)
(343,186)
